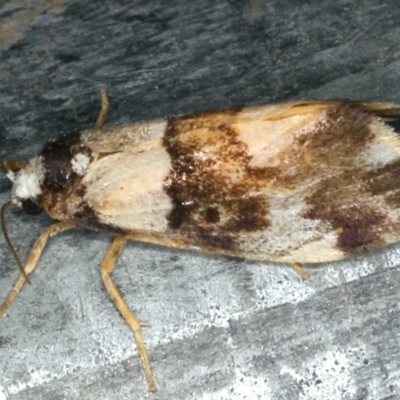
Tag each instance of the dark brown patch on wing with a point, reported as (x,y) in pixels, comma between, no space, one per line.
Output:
(343,134)
(358,225)
(214,239)
(215,193)
(212,215)
(384,181)
(248,214)
(342,195)
(357,239)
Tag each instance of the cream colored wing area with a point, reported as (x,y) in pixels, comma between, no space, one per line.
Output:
(269,132)
(291,238)
(384,149)
(127,190)
(126,137)
(321,250)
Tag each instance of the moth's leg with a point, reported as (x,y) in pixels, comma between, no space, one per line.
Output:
(33,259)
(300,270)
(107,267)
(101,118)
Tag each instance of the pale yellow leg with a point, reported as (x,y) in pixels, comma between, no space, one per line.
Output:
(107,267)
(101,119)
(300,270)
(33,259)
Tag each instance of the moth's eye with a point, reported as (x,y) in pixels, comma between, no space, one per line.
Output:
(31,207)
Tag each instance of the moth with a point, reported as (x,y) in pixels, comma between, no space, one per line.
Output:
(297,182)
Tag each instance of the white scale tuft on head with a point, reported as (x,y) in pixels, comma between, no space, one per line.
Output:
(27,180)
(80,163)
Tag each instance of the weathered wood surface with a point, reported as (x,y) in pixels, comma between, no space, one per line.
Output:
(220,328)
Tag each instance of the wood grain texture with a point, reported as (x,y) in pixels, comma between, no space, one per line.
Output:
(220,328)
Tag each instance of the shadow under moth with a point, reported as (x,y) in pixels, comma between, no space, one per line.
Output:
(297,182)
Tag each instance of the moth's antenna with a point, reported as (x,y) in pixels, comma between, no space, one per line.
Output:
(8,241)
(7,171)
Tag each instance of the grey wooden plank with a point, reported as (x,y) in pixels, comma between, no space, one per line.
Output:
(221,328)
